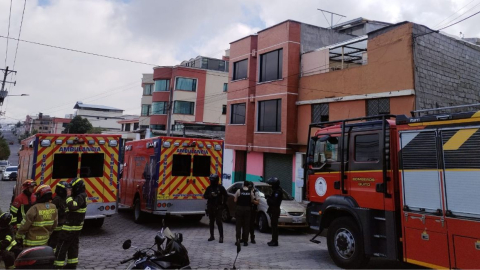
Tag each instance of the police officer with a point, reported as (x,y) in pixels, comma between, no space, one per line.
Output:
(253,211)
(274,201)
(77,207)
(60,202)
(40,220)
(216,196)
(23,202)
(243,199)
(8,246)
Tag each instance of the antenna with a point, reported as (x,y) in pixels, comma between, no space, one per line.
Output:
(331,16)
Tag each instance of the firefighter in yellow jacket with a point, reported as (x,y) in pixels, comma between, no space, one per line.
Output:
(40,220)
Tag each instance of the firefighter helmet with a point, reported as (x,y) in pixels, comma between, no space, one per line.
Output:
(61,189)
(274,182)
(214,179)
(28,184)
(43,193)
(78,186)
(5,219)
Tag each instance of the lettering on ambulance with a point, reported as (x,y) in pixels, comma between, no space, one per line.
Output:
(79,149)
(192,151)
(112,163)
(44,165)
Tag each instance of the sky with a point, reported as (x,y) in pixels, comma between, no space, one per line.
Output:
(161,33)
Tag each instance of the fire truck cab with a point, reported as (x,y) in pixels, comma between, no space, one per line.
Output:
(403,189)
(168,176)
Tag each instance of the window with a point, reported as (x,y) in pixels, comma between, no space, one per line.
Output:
(224,109)
(238,114)
(143,127)
(240,70)
(184,107)
(367,148)
(146,110)
(159,108)
(65,166)
(162,85)
(92,165)
(201,166)
(147,89)
(225,87)
(181,165)
(127,127)
(271,66)
(157,127)
(320,113)
(378,106)
(270,115)
(135,126)
(186,84)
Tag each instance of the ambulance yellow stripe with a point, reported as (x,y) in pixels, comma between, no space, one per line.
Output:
(459,139)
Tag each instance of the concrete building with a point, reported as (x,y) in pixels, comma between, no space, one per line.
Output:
(40,123)
(59,125)
(292,74)
(99,115)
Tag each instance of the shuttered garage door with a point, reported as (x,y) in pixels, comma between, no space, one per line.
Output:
(280,166)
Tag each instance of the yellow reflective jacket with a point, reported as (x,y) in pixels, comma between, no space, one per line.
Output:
(39,223)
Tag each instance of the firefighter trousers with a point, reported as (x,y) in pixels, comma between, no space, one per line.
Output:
(54,239)
(242,217)
(67,250)
(215,214)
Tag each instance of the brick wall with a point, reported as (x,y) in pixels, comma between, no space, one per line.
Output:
(447,70)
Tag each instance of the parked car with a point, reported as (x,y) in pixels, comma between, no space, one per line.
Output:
(13,176)
(3,165)
(11,143)
(6,174)
(293,214)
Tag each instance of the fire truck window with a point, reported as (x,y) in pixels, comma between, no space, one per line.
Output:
(325,151)
(92,165)
(201,165)
(65,166)
(367,148)
(181,165)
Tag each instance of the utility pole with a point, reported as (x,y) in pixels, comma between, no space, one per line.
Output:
(331,16)
(3,92)
(169,113)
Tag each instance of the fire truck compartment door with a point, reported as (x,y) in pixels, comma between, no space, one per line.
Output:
(467,252)
(420,174)
(426,248)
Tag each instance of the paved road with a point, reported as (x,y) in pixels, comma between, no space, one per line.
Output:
(8,135)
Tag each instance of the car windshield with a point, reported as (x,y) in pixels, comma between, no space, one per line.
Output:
(12,169)
(3,163)
(267,190)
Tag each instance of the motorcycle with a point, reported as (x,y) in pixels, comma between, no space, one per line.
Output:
(41,257)
(170,253)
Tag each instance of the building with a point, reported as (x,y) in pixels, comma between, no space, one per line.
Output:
(292,74)
(199,94)
(99,115)
(59,125)
(39,123)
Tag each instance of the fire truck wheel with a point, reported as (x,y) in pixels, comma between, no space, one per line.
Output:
(139,216)
(345,244)
(262,223)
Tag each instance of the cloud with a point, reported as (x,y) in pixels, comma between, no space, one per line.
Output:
(162,33)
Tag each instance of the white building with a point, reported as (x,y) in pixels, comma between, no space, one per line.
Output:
(100,116)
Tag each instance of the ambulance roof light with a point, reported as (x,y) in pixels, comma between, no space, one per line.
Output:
(176,144)
(200,145)
(185,144)
(166,144)
(113,143)
(218,147)
(58,141)
(209,146)
(45,143)
(101,142)
(155,144)
(69,141)
(30,144)
(91,142)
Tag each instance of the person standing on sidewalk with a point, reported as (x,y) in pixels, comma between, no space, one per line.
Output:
(216,196)
(243,199)
(253,211)
(274,201)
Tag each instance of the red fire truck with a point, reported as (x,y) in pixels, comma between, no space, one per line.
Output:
(403,189)
(168,176)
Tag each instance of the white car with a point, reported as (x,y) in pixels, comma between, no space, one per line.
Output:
(3,165)
(9,170)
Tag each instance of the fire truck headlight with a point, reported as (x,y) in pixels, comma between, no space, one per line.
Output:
(166,144)
(218,147)
(113,143)
(45,143)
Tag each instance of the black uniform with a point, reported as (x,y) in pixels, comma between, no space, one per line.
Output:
(61,205)
(9,249)
(253,215)
(242,215)
(274,201)
(216,196)
(77,207)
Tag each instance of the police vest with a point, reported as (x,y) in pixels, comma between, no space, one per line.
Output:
(245,198)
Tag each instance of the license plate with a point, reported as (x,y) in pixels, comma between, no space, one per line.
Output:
(297,219)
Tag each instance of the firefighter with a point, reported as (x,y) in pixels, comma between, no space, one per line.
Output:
(253,211)
(23,202)
(60,201)
(243,199)
(9,249)
(274,201)
(69,243)
(216,196)
(40,220)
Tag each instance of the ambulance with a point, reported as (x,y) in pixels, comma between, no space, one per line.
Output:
(168,176)
(51,158)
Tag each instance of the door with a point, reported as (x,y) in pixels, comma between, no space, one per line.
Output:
(150,175)
(240,171)
(280,166)
(425,236)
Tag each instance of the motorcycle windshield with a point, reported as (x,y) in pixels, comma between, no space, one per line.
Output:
(167,233)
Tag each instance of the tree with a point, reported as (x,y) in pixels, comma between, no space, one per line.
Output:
(4,149)
(95,130)
(34,132)
(19,124)
(78,125)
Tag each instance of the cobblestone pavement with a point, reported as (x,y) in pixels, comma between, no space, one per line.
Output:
(102,248)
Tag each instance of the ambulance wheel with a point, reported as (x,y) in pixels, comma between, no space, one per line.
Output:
(345,244)
(262,223)
(138,214)
(97,223)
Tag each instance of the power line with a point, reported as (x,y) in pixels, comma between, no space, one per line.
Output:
(19,32)
(8,32)
(436,31)
(463,13)
(440,23)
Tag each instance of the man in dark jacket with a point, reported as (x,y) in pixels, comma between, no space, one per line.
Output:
(23,202)
(77,207)
(274,201)
(216,196)
(243,199)
(60,201)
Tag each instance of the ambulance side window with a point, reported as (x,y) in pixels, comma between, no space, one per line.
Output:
(92,165)
(201,165)
(65,166)
(181,165)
